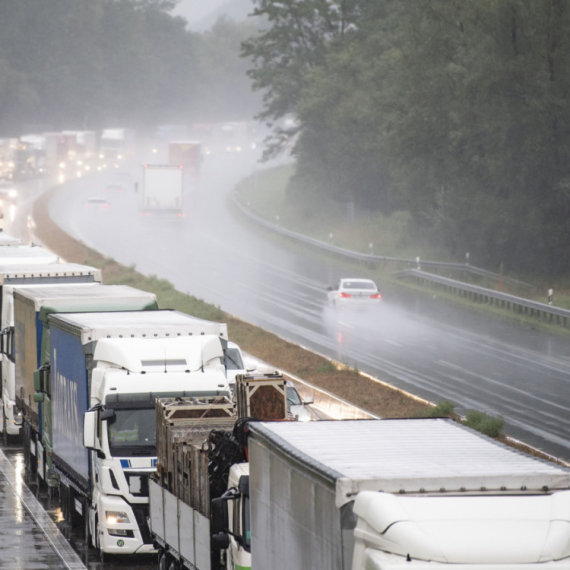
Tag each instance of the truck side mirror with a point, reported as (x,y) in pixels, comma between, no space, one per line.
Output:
(41,378)
(90,429)
(220,541)
(37,381)
(39,397)
(108,414)
(309,400)
(219,515)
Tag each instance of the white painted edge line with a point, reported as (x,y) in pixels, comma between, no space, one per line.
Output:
(57,541)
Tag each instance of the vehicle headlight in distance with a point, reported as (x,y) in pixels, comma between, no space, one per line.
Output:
(12,193)
(116,517)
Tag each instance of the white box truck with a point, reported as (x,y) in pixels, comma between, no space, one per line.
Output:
(162,190)
(21,276)
(106,371)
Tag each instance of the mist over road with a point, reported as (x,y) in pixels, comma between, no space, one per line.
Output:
(417,344)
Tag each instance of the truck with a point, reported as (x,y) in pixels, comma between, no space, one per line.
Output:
(9,241)
(22,276)
(200,447)
(106,370)
(32,306)
(26,255)
(162,190)
(188,155)
(117,144)
(386,494)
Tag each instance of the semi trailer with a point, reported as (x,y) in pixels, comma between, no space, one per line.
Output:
(386,494)
(32,306)
(22,276)
(106,370)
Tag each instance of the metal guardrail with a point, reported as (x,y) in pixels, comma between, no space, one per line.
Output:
(370,258)
(480,294)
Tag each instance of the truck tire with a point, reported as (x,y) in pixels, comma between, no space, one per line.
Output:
(163,561)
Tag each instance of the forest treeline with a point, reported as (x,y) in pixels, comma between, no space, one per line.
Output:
(456,111)
(90,64)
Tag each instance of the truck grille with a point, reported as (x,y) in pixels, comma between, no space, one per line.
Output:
(141,514)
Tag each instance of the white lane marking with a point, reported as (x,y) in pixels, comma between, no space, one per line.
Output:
(345,325)
(393,342)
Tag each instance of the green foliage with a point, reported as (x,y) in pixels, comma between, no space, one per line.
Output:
(442,410)
(484,423)
(327,368)
(89,64)
(454,111)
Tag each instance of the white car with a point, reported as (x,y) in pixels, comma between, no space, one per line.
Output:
(300,409)
(354,292)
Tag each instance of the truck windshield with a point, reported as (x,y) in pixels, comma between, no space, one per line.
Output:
(133,432)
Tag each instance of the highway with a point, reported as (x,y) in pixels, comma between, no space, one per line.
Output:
(418,344)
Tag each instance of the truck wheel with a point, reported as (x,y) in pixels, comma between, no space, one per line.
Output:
(64,502)
(163,561)
(173,565)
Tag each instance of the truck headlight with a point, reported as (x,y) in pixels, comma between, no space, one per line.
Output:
(116,517)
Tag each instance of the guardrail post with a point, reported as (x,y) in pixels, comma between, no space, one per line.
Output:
(550,294)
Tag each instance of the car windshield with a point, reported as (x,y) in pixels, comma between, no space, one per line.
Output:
(368,285)
(233,359)
(132,432)
(293,398)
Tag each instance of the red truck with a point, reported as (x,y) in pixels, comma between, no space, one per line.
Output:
(188,155)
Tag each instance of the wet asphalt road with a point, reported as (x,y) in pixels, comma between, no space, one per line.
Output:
(416,343)
(29,544)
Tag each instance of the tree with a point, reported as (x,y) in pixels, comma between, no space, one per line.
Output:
(295,41)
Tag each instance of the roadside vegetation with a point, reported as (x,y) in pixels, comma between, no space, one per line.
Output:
(266,194)
(455,113)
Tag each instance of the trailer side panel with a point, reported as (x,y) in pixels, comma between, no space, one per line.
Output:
(69,404)
(294,520)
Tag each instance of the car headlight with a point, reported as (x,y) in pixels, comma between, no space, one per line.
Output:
(116,517)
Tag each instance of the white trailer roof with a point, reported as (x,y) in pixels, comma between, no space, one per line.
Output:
(25,254)
(135,324)
(409,456)
(11,273)
(6,240)
(83,295)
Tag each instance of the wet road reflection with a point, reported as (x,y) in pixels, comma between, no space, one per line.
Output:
(29,544)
